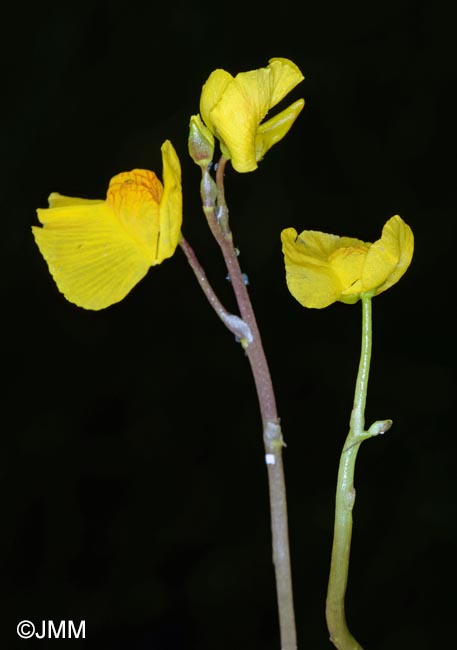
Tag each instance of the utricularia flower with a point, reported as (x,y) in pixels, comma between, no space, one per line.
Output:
(96,250)
(322,268)
(233,109)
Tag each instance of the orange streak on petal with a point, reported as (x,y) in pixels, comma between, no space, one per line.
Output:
(135,198)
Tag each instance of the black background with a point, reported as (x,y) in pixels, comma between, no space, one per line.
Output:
(134,490)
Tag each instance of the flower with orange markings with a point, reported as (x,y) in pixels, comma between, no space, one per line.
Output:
(96,250)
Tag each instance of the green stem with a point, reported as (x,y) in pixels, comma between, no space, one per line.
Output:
(340,635)
(216,212)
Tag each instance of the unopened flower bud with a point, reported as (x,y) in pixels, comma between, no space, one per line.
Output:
(201,142)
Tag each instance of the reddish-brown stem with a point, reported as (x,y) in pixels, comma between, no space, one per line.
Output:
(216,211)
(234,323)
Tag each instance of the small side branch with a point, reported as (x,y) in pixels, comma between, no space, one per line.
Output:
(234,323)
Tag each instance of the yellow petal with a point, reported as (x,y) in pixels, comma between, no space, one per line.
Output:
(348,262)
(270,132)
(285,75)
(212,92)
(93,259)
(321,246)
(135,199)
(57,200)
(309,277)
(171,204)
(389,257)
(237,115)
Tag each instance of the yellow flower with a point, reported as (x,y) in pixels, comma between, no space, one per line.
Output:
(233,109)
(97,251)
(322,268)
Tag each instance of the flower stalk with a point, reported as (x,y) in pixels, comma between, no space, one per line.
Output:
(340,635)
(216,211)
